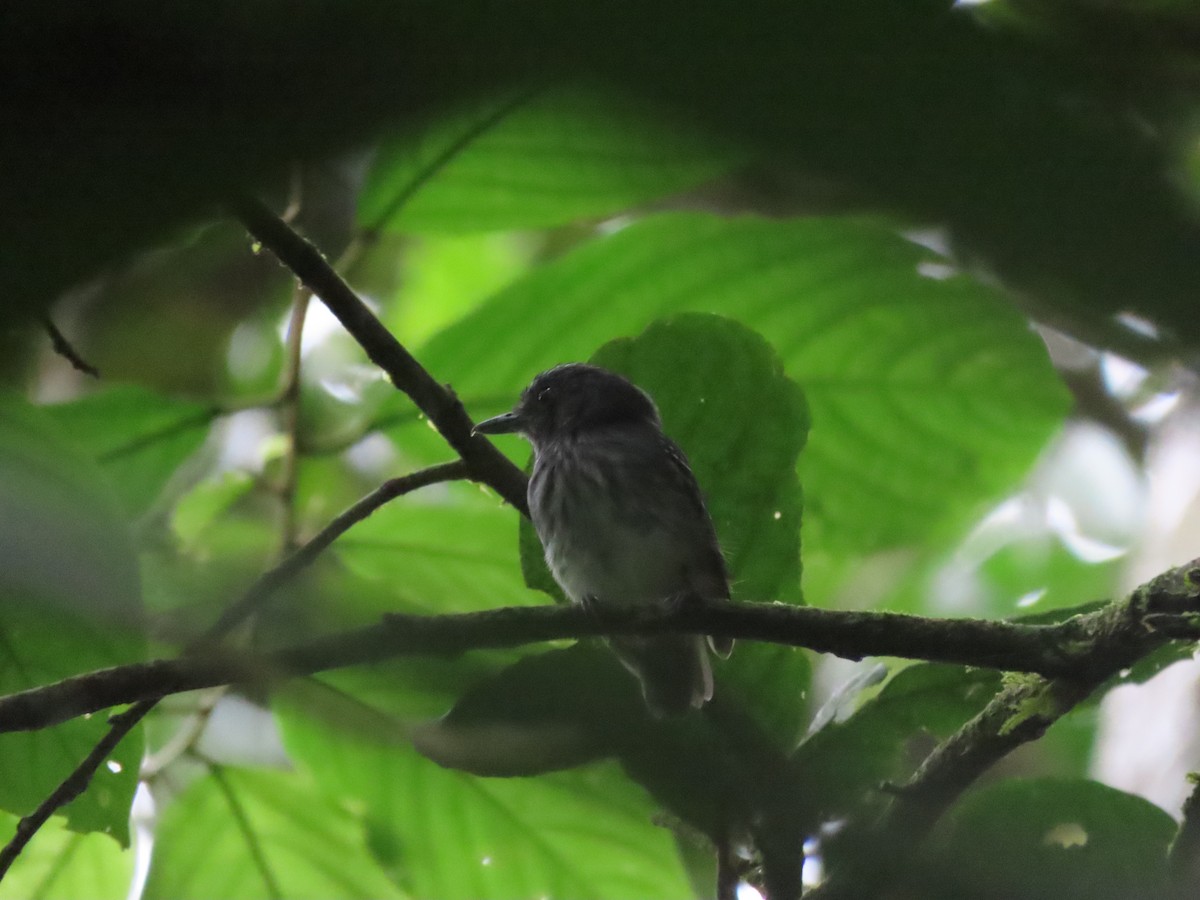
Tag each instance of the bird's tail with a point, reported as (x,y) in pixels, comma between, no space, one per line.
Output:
(674,671)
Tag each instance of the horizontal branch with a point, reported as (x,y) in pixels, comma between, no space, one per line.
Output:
(1082,649)
(1103,644)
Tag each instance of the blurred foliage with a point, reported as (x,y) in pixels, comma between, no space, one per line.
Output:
(1050,837)
(816,231)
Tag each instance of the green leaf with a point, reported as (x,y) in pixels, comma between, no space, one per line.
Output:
(61,865)
(566,707)
(553,158)
(447,549)
(448,835)
(928,396)
(546,712)
(139,437)
(841,766)
(332,597)
(249,834)
(69,602)
(431,554)
(700,369)
(773,683)
(445,276)
(1050,838)
(205,505)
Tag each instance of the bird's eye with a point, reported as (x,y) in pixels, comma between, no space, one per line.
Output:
(543,395)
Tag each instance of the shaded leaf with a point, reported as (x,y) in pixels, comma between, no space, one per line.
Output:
(841,766)
(523,161)
(69,602)
(446,835)
(1050,838)
(546,712)
(61,865)
(716,769)
(928,396)
(431,556)
(140,438)
(257,833)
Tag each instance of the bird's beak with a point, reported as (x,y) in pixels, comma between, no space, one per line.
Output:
(507,423)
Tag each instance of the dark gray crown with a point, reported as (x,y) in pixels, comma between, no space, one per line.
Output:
(576,397)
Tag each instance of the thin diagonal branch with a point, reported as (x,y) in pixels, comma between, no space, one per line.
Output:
(270,581)
(67,351)
(487,464)
(74,784)
(480,461)
(257,594)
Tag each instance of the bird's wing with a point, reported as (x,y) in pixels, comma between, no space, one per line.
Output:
(709,576)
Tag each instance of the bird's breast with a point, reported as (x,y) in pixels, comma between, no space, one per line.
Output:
(603,533)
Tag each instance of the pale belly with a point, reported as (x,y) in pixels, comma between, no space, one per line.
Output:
(609,545)
(622,565)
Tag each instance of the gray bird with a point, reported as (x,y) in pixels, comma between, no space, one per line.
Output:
(621,518)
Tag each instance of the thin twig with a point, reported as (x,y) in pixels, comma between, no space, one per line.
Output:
(480,461)
(74,784)
(258,593)
(290,410)
(67,351)
(267,583)
(185,737)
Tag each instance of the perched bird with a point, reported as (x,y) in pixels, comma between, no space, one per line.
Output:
(621,518)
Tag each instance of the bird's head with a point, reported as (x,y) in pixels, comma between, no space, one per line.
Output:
(573,399)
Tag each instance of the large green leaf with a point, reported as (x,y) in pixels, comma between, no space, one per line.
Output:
(441,277)
(716,771)
(1074,840)
(139,437)
(257,833)
(447,550)
(61,865)
(701,369)
(446,835)
(535,161)
(69,602)
(840,767)
(546,712)
(928,395)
